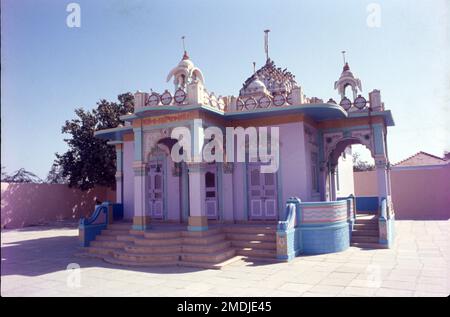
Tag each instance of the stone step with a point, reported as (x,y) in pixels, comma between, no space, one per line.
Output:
(252,236)
(157,242)
(114,232)
(366,219)
(365,232)
(249,229)
(257,222)
(105,238)
(369,226)
(205,233)
(114,260)
(366,245)
(257,253)
(364,239)
(127,237)
(203,240)
(101,251)
(120,226)
(210,248)
(109,244)
(161,234)
(161,249)
(366,214)
(145,257)
(215,257)
(255,244)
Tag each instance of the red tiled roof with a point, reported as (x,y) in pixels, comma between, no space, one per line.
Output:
(422,159)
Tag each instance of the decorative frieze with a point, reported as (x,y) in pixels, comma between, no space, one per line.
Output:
(319,214)
(151,139)
(330,140)
(365,137)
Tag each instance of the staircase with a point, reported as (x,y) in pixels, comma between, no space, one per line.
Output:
(365,231)
(166,245)
(255,241)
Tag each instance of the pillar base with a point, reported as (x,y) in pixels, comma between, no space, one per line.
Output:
(141,223)
(198,223)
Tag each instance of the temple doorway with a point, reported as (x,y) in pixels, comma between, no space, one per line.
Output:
(211,199)
(156,188)
(262,194)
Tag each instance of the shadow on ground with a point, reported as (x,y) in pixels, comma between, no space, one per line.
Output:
(35,257)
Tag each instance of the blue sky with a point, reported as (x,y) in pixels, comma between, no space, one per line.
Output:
(48,69)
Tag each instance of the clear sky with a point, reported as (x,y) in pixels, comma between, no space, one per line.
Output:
(49,69)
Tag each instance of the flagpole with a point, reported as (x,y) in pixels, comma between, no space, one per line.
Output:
(266,43)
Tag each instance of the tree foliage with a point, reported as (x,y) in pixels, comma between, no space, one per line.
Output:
(89,160)
(55,175)
(360,165)
(21,176)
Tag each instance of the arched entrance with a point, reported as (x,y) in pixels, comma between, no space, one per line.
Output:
(338,154)
(165,186)
(374,139)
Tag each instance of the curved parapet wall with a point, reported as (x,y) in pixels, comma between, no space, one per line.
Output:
(324,227)
(320,227)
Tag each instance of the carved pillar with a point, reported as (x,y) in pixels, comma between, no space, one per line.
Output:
(333,182)
(386,219)
(323,182)
(119,173)
(382,177)
(141,219)
(227,191)
(380,161)
(198,220)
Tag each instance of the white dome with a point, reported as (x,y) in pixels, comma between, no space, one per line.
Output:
(257,84)
(270,80)
(186,63)
(185,72)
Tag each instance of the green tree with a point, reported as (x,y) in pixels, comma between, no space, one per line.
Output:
(55,175)
(21,176)
(4,175)
(360,165)
(89,160)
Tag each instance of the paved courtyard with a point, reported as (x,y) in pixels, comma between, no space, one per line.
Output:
(34,262)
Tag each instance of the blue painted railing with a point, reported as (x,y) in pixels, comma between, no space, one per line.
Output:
(291,214)
(386,224)
(103,214)
(288,245)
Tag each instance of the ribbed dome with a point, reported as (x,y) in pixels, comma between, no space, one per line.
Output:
(185,72)
(257,84)
(186,62)
(274,79)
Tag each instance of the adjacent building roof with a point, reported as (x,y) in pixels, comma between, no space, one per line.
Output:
(422,159)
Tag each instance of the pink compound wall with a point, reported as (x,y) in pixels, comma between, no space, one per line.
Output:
(417,193)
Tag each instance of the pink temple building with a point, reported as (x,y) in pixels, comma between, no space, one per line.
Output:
(204,213)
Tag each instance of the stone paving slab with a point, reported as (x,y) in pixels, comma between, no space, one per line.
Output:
(35,261)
